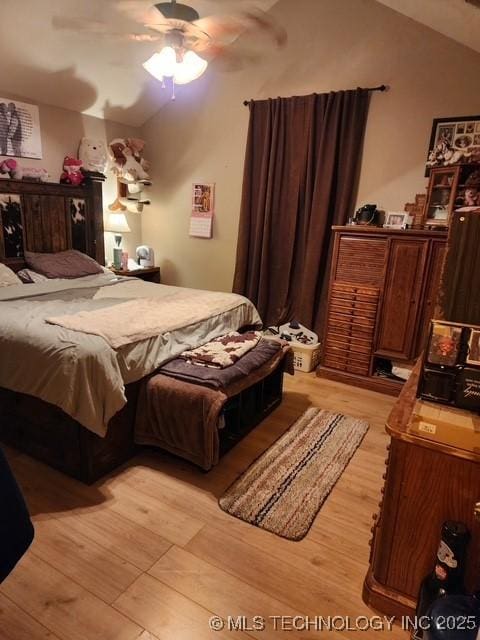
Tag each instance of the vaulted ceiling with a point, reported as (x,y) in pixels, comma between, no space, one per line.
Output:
(86,72)
(104,77)
(456,19)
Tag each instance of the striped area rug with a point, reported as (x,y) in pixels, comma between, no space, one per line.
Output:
(283,490)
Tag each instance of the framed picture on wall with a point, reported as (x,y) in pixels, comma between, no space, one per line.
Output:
(453,140)
(19,129)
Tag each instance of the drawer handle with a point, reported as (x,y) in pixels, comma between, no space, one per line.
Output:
(476,511)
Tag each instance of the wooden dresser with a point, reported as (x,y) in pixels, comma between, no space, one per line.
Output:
(381,299)
(426,483)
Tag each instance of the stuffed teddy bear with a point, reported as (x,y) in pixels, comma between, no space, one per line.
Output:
(126,159)
(71,172)
(93,154)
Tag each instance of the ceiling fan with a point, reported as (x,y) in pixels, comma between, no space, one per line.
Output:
(189,42)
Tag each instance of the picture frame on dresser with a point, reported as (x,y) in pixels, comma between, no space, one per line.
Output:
(473,356)
(396,220)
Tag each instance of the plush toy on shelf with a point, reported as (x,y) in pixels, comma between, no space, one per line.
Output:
(72,172)
(131,169)
(93,154)
(10,169)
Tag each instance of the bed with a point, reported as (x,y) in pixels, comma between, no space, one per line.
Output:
(68,396)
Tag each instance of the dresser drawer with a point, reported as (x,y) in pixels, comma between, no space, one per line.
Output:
(346,308)
(358,347)
(359,369)
(336,351)
(365,309)
(363,333)
(335,316)
(358,358)
(342,331)
(339,288)
(335,363)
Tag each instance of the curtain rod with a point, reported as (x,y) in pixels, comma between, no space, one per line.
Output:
(381,87)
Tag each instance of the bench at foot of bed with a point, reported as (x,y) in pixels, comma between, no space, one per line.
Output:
(200,423)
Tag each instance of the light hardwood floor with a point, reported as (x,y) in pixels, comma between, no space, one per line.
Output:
(147,554)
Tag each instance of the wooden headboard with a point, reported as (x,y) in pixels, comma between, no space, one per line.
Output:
(49,217)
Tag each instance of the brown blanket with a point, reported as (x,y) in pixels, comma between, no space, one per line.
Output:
(183,418)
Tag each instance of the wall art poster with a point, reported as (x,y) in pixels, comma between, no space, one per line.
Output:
(19,129)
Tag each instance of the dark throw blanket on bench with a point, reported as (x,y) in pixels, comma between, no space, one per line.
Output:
(222,378)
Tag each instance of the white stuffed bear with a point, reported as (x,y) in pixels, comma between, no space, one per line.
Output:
(93,154)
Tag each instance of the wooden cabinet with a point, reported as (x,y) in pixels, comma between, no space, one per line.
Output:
(447,191)
(426,483)
(442,190)
(405,274)
(381,299)
(438,252)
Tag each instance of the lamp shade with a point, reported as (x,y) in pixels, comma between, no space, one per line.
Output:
(165,64)
(162,64)
(191,68)
(117,223)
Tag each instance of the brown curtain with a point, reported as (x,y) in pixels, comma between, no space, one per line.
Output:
(300,177)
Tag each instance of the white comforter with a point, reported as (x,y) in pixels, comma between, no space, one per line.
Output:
(80,372)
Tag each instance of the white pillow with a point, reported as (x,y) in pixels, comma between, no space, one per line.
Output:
(7,276)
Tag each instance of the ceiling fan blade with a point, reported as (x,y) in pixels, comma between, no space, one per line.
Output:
(227,29)
(80,25)
(142,37)
(263,22)
(231,59)
(140,11)
(221,28)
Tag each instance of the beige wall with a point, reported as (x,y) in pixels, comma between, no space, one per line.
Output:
(61,131)
(333,44)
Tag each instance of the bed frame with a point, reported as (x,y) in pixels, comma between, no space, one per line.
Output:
(48,217)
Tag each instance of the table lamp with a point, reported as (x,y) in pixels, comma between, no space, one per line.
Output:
(117,224)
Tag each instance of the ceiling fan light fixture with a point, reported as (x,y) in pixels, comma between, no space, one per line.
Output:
(190,68)
(182,68)
(162,64)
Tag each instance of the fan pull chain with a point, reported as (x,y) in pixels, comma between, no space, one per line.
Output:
(173,88)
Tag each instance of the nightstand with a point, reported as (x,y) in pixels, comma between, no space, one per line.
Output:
(150,274)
